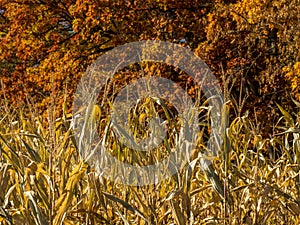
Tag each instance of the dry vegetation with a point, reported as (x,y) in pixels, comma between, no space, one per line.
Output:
(43,179)
(252,47)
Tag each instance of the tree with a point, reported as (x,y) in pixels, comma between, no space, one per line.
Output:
(47,45)
(251,44)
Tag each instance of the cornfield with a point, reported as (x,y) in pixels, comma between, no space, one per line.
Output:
(44,180)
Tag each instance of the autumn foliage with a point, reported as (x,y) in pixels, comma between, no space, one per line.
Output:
(251,46)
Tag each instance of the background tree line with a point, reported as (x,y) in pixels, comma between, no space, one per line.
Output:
(251,46)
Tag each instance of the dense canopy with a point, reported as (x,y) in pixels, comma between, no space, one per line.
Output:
(253,45)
